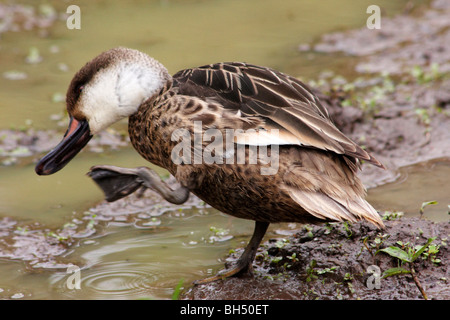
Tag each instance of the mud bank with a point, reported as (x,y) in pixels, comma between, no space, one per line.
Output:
(28,144)
(339,261)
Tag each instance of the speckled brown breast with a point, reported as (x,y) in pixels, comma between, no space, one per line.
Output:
(236,189)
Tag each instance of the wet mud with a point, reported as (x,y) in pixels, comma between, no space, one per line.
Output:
(338,261)
(27,144)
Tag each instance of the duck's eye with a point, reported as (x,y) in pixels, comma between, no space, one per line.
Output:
(80,89)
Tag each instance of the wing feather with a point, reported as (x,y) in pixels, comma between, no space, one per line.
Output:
(276,98)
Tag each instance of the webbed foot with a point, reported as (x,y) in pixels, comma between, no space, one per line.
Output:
(118,182)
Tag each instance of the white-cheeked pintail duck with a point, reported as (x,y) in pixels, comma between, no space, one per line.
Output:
(315,180)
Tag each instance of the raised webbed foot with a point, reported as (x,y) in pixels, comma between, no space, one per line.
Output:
(118,182)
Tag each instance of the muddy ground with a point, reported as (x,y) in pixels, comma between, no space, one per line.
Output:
(335,262)
(397,106)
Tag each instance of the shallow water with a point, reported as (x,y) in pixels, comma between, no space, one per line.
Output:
(122,259)
(423,182)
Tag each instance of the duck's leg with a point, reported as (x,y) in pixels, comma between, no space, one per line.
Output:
(244,264)
(117,182)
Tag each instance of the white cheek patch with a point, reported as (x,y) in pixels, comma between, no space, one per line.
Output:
(99,102)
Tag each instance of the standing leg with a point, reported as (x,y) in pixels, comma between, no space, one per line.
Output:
(244,264)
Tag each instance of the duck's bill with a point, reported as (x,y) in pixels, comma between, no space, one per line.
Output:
(76,137)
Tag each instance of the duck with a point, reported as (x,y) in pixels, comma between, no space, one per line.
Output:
(269,117)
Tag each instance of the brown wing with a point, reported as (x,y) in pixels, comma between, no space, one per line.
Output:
(282,101)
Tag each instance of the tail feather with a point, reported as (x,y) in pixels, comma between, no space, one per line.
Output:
(329,209)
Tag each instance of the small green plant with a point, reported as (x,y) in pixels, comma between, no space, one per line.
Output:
(91,223)
(177,290)
(276,260)
(375,244)
(392,215)
(281,243)
(22,231)
(328,227)
(58,237)
(220,234)
(348,276)
(371,97)
(219,231)
(423,115)
(312,272)
(425,76)
(293,259)
(326,270)
(407,254)
(309,233)
(424,204)
(347,229)
(431,252)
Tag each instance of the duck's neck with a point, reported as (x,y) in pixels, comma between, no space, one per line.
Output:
(144,130)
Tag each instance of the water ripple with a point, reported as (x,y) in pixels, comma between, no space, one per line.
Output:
(120,280)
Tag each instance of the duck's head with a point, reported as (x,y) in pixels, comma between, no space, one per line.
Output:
(107,89)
